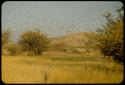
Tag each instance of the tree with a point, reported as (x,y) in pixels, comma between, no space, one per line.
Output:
(6,36)
(13,49)
(110,38)
(34,42)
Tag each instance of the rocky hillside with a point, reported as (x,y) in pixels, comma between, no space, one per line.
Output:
(74,39)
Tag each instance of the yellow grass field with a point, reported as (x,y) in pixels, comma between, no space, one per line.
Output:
(60,68)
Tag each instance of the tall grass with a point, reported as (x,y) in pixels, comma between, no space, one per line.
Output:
(60,69)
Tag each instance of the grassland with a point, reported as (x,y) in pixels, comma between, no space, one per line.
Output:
(60,68)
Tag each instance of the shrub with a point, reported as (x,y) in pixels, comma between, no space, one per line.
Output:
(110,39)
(6,36)
(13,49)
(34,42)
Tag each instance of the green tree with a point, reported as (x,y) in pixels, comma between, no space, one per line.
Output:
(13,49)
(6,36)
(34,42)
(110,38)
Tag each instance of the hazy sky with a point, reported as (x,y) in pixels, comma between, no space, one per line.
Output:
(55,18)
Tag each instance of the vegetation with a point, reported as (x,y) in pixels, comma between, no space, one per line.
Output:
(64,68)
(13,49)
(6,36)
(110,38)
(74,58)
(34,42)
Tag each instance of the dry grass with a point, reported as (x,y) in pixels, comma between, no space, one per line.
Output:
(60,69)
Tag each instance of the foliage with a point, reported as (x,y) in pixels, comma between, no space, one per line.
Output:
(34,42)
(6,36)
(13,49)
(110,38)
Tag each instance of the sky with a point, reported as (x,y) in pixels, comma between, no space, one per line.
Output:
(55,18)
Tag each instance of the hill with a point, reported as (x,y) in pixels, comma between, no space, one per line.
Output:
(74,40)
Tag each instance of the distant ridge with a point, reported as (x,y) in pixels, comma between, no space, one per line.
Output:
(73,39)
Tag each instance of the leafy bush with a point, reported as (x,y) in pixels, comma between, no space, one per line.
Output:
(34,42)
(13,49)
(6,36)
(110,38)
